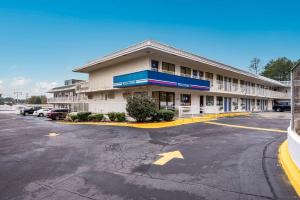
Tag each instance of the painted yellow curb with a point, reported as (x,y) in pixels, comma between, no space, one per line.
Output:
(289,167)
(246,127)
(178,122)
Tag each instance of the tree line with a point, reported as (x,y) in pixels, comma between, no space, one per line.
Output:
(278,69)
(31,100)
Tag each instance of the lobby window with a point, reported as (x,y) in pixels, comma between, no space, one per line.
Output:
(185,100)
(168,68)
(154,65)
(185,71)
(210,77)
(209,100)
(195,73)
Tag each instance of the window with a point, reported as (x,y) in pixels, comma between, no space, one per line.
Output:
(164,100)
(235,84)
(227,83)
(168,68)
(219,101)
(201,74)
(185,99)
(209,100)
(154,65)
(195,73)
(242,85)
(210,77)
(185,71)
(235,103)
(253,88)
(220,82)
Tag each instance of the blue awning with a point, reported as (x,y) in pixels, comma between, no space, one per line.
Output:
(148,77)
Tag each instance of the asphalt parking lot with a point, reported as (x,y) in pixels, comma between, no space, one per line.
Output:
(104,162)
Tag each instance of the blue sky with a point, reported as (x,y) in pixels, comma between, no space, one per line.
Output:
(41,41)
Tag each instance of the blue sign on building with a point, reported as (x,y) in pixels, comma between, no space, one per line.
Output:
(148,77)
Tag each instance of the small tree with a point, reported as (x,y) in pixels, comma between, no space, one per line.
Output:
(255,65)
(140,107)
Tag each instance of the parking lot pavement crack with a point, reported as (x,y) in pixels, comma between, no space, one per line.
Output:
(275,196)
(69,191)
(147,175)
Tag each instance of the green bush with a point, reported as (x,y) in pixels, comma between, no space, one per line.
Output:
(120,116)
(83,116)
(71,117)
(112,116)
(166,115)
(140,107)
(156,117)
(96,117)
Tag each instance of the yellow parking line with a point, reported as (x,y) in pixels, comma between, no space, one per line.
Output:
(246,127)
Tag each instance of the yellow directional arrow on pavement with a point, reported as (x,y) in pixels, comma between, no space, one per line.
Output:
(166,157)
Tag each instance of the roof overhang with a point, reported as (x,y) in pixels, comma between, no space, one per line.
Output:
(150,47)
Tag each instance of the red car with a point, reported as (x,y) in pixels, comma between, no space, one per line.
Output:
(57,114)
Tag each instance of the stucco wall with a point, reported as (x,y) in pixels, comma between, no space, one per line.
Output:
(103,78)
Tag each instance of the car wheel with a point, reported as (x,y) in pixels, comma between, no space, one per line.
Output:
(57,118)
(41,115)
(278,110)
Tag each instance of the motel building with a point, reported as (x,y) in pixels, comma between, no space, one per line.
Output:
(174,78)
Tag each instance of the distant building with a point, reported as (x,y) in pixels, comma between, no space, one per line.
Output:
(72,81)
(0,95)
(69,96)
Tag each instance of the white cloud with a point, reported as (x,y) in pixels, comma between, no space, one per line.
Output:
(20,81)
(41,88)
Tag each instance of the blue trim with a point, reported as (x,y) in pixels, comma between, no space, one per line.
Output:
(148,77)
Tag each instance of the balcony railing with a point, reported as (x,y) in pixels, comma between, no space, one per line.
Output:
(249,91)
(73,99)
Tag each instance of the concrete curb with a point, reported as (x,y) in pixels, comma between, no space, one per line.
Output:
(178,122)
(289,167)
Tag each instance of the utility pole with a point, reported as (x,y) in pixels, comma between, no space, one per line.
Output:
(17,94)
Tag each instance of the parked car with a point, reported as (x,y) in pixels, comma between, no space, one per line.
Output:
(282,106)
(29,111)
(56,114)
(41,112)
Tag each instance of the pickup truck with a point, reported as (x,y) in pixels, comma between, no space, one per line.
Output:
(281,107)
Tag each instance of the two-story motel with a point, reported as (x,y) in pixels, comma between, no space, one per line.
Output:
(174,78)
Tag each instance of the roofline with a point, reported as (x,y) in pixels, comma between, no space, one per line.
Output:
(296,65)
(174,51)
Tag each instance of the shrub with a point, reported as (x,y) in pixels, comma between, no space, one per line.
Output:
(120,116)
(96,117)
(83,116)
(112,116)
(156,117)
(71,117)
(140,107)
(167,115)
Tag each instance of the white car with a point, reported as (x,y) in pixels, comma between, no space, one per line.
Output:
(41,112)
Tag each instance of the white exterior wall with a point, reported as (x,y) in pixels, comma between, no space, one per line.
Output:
(103,78)
(294,146)
(117,104)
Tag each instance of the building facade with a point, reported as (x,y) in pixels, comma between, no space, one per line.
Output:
(175,79)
